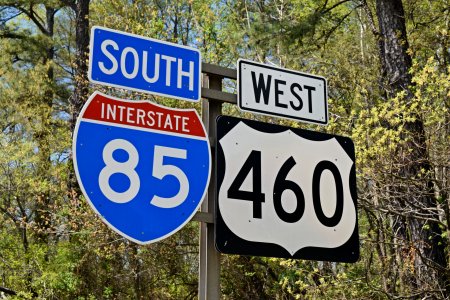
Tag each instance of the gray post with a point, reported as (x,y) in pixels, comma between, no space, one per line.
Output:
(213,97)
(209,278)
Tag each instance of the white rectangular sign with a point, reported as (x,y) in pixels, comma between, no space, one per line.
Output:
(281,92)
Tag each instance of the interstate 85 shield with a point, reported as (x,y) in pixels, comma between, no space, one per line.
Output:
(144,168)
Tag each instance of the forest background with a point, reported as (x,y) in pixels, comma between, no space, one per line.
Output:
(387,66)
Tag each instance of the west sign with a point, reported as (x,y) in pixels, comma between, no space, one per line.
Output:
(280,92)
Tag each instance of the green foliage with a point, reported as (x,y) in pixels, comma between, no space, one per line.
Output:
(53,246)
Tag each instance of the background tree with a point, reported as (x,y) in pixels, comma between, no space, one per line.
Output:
(414,206)
(386,123)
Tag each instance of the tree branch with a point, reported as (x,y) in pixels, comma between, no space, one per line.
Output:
(33,17)
(11,35)
(373,28)
(326,10)
(70,3)
(7,291)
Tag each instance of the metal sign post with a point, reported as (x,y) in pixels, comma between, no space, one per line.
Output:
(209,284)
(209,269)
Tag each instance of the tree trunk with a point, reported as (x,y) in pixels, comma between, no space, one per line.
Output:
(423,245)
(43,136)
(81,63)
(81,90)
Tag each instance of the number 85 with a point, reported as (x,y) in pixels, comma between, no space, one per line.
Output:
(159,171)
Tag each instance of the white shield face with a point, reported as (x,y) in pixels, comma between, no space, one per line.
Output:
(286,161)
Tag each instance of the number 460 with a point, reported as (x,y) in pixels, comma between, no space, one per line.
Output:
(281,184)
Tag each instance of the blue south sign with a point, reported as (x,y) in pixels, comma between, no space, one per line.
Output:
(134,62)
